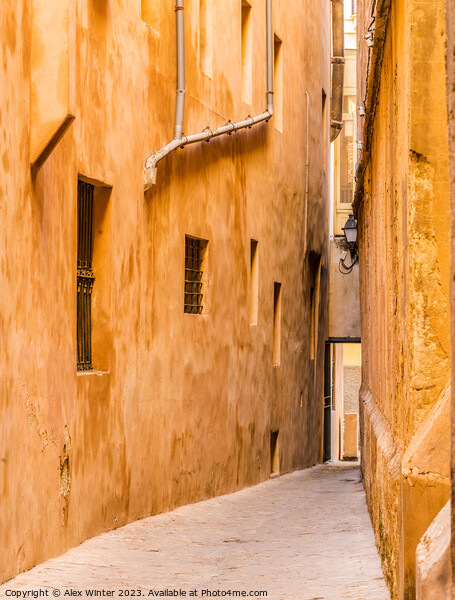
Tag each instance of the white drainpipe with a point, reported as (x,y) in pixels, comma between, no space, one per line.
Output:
(207,134)
(180,98)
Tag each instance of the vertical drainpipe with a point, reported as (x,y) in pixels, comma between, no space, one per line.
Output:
(338,60)
(270,56)
(180,40)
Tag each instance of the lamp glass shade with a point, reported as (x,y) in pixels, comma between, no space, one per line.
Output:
(350,230)
(351,235)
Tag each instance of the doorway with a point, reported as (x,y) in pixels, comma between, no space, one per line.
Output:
(342,378)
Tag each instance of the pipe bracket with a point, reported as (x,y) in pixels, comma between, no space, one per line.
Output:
(210,132)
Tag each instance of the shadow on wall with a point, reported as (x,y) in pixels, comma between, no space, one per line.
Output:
(195,160)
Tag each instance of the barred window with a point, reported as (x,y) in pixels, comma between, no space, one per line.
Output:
(195,250)
(85,277)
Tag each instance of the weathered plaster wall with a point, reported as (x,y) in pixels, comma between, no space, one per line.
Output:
(404,223)
(183,406)
(450,69)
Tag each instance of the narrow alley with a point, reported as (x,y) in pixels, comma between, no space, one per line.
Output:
(303,536)
(227,306)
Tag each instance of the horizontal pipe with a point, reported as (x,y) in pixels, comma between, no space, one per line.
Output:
(204,136)
(207,134)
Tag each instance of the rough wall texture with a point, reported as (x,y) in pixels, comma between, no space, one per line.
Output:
(404,222)
(450,66)
(181,407)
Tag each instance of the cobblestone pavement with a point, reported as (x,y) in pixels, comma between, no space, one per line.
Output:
(303,536)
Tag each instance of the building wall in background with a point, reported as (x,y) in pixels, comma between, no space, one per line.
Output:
(346,371)
(344,308)
(344,303)
(345,146)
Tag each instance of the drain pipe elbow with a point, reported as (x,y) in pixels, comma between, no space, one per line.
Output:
(338,62)
(149,177)
(151,163)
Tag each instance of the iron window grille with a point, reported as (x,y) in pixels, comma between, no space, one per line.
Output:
(85,276)
(194,257)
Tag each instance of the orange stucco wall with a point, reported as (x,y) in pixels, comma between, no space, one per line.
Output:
(182,406)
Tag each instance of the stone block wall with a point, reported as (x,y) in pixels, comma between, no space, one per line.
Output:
(404,222)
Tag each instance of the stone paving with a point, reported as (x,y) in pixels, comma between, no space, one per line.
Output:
(303,536)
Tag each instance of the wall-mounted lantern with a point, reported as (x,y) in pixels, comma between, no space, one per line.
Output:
(348,243)
(350,231)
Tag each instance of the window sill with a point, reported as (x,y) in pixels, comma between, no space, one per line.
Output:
(93,372)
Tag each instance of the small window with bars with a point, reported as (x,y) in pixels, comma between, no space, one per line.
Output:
(85,276)
(195,258)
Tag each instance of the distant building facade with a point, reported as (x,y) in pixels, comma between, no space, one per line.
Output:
(344,351)
(162,347)
(403,209)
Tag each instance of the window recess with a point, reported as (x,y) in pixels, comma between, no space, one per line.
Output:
(85,278)
(195,285)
